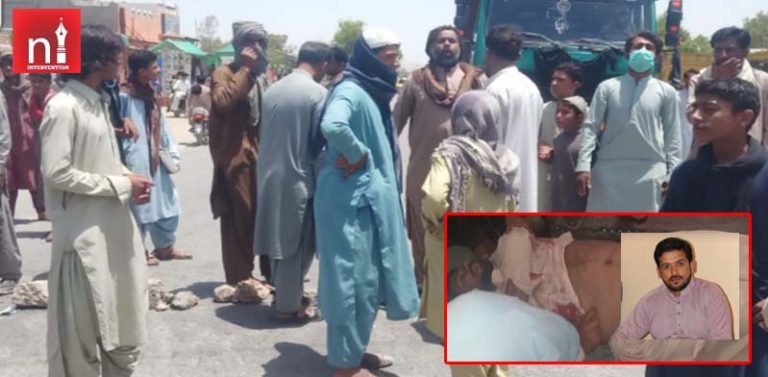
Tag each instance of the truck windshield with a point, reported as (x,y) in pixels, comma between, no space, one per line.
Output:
(608,20)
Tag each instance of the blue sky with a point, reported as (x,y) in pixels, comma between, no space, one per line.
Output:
(304,20)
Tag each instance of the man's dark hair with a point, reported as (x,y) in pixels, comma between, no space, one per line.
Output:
(141,59)
(657,42)
(732,32)
(46,76)
(672,244)
(432,37)
(98,46)
(504,42)
(339,55)
(741,94)
(573,70)
(201,79)
(573,107)
(314,53)
(196,90)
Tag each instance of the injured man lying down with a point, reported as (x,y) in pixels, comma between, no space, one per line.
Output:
(557,298)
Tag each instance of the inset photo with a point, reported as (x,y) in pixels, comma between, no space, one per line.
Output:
(596,289)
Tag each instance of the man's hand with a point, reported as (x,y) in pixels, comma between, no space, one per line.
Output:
(140,188)
(545,153)
(249,57)
(728,69)
(757,315)
(129,130)
(584,183)
(349,169)
(588,327)
(2,181)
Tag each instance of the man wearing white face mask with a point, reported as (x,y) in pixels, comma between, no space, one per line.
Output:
(635,119)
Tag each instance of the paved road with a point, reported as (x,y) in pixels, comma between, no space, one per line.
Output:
(219,339)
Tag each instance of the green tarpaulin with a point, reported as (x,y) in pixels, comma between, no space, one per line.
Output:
(184,46)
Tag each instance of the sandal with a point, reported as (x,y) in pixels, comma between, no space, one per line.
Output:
(170,254)
(300,317)
(151,260)
(375,362)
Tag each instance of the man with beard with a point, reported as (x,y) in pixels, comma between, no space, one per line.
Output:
(684,307)
(236,106)
(425,102)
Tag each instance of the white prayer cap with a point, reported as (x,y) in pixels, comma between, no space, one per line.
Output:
(378,38)
(578,102)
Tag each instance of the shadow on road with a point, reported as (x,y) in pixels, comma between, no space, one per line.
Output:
(191,144)
(254,317)
(203,290)
(426,335)
(311,363)
(296,360)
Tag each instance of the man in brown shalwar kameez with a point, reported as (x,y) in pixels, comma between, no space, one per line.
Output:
(426,101)
(236,92)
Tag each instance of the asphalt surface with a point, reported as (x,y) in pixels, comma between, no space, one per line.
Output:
(223,339)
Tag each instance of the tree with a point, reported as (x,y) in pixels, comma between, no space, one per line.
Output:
(279,53)
(207,34)
(688,43)
(347,33)
(758,28)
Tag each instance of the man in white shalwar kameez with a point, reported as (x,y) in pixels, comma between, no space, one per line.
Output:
(98,280)
(640,145)
(521,106)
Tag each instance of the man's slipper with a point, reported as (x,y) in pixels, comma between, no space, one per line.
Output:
(151,260)
(375,362)
(172,254)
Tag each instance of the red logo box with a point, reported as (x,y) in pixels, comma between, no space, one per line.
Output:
(46,40)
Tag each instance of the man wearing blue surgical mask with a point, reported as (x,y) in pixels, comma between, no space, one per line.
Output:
(634,121)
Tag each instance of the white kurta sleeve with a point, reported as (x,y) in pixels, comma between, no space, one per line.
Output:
(670,121)
(591,129)
(58,132)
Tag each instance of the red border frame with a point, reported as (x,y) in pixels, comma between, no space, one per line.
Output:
(598,214)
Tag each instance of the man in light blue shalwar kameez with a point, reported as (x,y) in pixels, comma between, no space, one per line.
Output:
(159,217)
(640,145)
(362,247)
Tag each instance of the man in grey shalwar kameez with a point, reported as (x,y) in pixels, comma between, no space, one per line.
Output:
(10,258)
(97,285)
(285,179)
(640,145)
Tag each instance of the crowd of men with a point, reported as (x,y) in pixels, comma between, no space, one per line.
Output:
(303,169)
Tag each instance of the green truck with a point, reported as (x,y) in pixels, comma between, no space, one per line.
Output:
(591,32)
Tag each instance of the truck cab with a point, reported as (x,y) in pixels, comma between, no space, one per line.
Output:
(590,32)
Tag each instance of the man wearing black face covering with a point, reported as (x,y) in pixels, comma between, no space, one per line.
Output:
(236,92)
(425,102)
